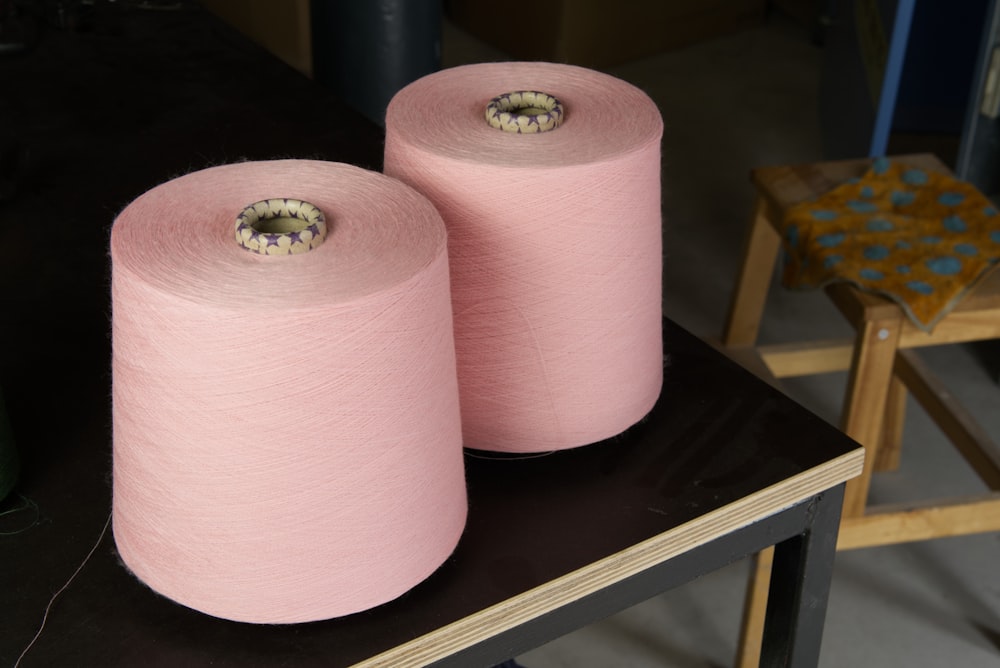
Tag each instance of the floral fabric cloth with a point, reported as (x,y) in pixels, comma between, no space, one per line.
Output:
(920,238)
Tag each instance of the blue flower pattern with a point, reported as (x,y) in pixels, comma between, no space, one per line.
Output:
(881,236)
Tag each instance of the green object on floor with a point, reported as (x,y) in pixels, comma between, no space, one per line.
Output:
(9,463)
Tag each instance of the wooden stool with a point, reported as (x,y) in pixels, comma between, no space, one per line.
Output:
(882,368)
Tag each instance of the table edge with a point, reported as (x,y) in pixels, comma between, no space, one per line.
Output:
(545,598)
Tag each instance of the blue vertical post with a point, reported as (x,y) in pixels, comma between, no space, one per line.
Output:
(890,79)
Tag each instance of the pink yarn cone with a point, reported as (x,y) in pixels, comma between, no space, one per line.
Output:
(287,441)
(555,248)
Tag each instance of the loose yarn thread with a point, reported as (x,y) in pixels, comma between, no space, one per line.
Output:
(555,248)
(287,440)
(15,513)
(52,600)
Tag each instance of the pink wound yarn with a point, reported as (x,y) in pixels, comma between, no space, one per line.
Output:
(555,249)
(287,442)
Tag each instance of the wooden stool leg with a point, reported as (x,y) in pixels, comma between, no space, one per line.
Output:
(973,442)
(759,254)
(864,406)
(754,607)
(891,447)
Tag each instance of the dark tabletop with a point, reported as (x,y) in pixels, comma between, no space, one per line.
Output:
(98,112)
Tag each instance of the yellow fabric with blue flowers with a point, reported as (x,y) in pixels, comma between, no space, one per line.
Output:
(919,238)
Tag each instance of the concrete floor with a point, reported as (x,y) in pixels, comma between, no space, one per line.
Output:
(730,104)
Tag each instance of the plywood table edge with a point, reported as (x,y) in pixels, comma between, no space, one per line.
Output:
(573,586)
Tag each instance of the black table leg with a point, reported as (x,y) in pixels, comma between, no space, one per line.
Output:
(800,584)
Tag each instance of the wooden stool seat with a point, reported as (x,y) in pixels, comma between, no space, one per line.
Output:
(882,369)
